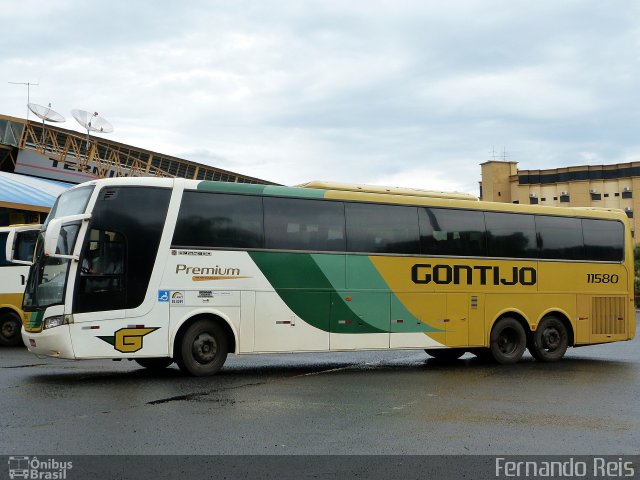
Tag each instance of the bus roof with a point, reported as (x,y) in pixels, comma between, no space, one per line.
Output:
(326,190)
(412,192)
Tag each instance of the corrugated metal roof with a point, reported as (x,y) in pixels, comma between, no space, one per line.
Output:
(33,191)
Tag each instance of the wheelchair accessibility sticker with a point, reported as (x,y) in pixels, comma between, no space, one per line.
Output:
(163,295)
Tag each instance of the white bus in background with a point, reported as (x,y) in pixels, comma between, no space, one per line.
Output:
(13,277)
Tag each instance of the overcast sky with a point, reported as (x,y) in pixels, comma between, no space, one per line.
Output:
(409,93)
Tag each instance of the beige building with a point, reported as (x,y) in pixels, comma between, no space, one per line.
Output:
(606,186)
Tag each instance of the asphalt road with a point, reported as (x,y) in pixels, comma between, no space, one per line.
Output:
(348,403)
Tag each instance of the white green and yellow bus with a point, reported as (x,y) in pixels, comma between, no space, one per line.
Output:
(173,270)
(13,277)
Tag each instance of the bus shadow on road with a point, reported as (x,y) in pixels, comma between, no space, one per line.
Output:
(246,369)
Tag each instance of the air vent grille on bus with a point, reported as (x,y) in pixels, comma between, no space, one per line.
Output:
(608,315)
(110,194)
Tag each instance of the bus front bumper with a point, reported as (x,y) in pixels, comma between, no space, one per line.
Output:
(54,342)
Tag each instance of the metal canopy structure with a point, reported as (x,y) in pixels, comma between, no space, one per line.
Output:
(68,150)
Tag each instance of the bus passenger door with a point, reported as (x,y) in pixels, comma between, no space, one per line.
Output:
(100,327)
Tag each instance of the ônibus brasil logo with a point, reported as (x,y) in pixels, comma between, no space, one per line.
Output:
(34,468)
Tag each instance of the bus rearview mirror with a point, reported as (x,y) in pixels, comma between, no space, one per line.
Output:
(52,234)
(13,237)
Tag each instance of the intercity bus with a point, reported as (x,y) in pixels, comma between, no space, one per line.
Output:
(13,276)
(173,270)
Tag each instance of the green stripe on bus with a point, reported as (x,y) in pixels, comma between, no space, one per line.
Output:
(35,321)
(314,287)
(271,190)
(228,187)
(306,290)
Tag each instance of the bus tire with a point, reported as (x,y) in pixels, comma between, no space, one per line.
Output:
(159,363)
(550,340)
(203,349)
(508,341)
(445,354)
(10,326)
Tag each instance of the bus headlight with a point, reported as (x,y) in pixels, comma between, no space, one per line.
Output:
(55,321)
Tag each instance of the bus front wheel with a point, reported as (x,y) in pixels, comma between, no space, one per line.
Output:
(203,349)
(10,326)
(550,340)
(507,341)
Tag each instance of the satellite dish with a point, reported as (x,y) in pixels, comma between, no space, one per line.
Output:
(92,121)
(45,113)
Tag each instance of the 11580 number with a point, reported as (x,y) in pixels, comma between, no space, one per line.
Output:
(602,278)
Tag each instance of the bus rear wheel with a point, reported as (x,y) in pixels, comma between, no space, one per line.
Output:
(10,326)
(550,340)
(203,349)
(507,341)
(159,363)
(445,354)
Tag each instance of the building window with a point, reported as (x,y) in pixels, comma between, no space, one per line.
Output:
(564,198)
(627,194)
(533,200)
(616,194)
(543,199)
(629,213)
(555,198)
(606,195)
(596,196)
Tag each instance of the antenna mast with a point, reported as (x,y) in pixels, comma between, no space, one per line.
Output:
(28,84)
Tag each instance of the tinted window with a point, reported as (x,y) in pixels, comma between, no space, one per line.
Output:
(102,271)
(603,240)
(382,228)
(511,235)
(25,245)
(300,224)
(133,218)
(219,220)
(445,231)
(560,237)
(3,246)
(71,202)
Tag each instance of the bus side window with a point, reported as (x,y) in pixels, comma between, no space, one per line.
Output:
(375,228)
(3,244)
(103,262)
(447,231)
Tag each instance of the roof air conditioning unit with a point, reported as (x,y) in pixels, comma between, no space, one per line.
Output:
(593,190)
(533,195)
(564,193)
(626,189)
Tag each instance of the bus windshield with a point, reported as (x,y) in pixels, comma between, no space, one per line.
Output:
(71,202)
(48,276)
